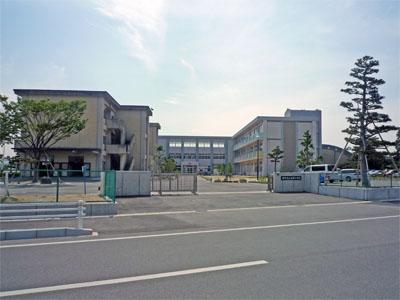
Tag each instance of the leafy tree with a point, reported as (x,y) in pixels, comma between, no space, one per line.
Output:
(9,121)
(276,155)
(306,156)
(168,165)
(43,123)
(228,170)
(221,169)
(365,123)
(158,159)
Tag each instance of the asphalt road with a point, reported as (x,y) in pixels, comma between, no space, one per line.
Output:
(340,251)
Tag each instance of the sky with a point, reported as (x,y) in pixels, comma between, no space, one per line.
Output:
(206,67)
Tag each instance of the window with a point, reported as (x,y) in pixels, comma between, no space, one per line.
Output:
(219,156)
(189,144)
(218,145)
(190,156)
(318,168)
(204,156)
(175,144)
(175,155)
(204,145)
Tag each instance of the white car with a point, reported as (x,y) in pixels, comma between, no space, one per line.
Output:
(344,175)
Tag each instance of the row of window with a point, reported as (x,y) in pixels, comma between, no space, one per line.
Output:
(178,144)
(193,156)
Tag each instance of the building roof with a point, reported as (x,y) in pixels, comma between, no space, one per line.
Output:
(77,93)
(194,137)
(155,125)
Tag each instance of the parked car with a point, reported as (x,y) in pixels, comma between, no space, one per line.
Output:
(389,173)
(374,172)
(344,175)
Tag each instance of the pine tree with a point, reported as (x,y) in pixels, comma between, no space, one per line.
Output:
(306,156)
(365,124)
(276,155)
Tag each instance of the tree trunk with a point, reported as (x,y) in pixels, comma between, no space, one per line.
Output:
(36,168)
(275,166)
(363,146)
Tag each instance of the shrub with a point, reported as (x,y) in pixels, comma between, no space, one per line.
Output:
(243,180)
(217,180)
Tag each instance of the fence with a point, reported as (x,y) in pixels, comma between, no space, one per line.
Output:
(174,183)
(344,180)
(56,185)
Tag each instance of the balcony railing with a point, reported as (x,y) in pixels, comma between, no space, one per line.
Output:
(246,141)
(249,156)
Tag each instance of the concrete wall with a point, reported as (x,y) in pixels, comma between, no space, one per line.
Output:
(357,193)
(288,186)
(311,183)
(133,183)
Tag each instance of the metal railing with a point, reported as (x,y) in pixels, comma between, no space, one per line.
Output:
(344,180)
(171,182)
(58,185)
(21,211)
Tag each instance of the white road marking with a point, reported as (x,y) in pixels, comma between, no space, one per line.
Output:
(285,206)
(129,279)
(228,193)
(155,213)
(197,232)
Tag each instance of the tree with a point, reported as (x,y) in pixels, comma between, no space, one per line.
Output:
(168,165)
(9,121)
(221,169)
(276,155)
(228,170)
(397,146)
(43,123)
(306,156)
(158,159)
(365,123)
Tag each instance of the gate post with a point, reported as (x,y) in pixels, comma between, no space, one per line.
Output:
(194,184)
(80,214)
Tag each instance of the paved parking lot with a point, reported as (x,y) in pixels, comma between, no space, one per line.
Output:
(221,243)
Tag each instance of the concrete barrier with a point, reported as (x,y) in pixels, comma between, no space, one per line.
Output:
(19,234)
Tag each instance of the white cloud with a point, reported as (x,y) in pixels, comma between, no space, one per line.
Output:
(189,66)
(171,101)
(141,24)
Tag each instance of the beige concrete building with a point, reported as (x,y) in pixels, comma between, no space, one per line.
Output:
(254,141)
(115,137)
(153,140)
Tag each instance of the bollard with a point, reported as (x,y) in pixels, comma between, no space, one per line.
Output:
(80,214)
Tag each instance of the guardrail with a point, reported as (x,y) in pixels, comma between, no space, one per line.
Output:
(27,211)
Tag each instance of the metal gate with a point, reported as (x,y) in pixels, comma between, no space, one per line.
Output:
(174,183)
(110,185)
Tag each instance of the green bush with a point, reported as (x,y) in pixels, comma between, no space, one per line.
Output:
(243,180)
(217,180)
